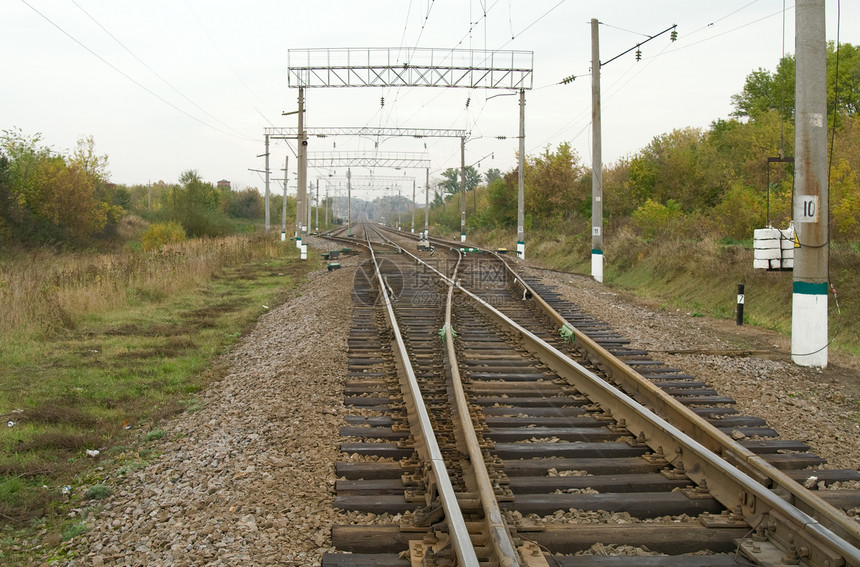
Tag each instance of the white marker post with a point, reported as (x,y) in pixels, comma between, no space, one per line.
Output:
(811,263)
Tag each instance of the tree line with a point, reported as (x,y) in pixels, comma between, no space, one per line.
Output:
(67,200)
(694,182)
(689,182)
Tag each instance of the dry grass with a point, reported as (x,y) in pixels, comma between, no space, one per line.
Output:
(41,292)
(95,347)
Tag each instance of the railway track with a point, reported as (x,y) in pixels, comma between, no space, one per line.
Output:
(493,424)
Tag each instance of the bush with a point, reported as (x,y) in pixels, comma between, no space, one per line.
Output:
(653,218)
(739,213)
(159,234)
(98,492)
(72,529)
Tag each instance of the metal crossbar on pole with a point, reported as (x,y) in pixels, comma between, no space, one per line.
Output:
(358,179)
(421,67)
(291,133)
(378,159)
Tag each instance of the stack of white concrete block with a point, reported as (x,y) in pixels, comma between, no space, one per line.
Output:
(774,248)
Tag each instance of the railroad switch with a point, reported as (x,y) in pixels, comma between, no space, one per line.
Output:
(724,520)
(428,515)
(414,484)
(503,494)
(642,441)
(700,492)
(786,544)
(655,458)
(431,552)
(674,473)
(532,555)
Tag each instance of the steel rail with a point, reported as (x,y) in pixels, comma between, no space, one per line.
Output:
(715,468)
(732,474)
(703,431)
(504,548)
(700,429)
(497,530)
(738,477)
(457,529)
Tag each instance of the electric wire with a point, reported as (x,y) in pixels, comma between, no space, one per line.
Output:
(153,71)
(663,52)
(833,136)
(689,45)
(132,79)
(623,29)
(227,62)
(729,15)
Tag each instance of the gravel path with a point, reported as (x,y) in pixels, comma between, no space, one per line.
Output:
(249,477)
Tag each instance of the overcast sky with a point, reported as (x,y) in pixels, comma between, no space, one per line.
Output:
(169,85)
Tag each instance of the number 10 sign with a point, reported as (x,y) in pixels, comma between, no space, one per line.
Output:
(807,207)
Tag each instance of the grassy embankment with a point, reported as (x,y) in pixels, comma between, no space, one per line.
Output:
(96,349)
(699,276)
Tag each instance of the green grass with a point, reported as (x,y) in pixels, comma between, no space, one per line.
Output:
(96,383)
(155,435)
(98,492)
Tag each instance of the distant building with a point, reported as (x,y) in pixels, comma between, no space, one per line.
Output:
(223,184)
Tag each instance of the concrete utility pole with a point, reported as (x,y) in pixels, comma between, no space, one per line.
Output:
(811,217)
(412,206)
(302,193)
(310,206)
(426,201)
(284,203)
(348,203)
(317,220)
(521,180)
(267,182)
(326,204)
(463,189)
(596,160)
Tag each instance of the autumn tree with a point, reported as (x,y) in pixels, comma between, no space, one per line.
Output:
(50,198)
(553,188)
(765,91)
(451,182)
(492,174)
(194,204)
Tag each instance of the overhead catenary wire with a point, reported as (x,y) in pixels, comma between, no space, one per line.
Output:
(132,79)
(153,71)
(649,59)
(227,62)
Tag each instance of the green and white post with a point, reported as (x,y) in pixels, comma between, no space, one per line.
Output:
(521,238)
(811,263)
(596,161)
(463,189)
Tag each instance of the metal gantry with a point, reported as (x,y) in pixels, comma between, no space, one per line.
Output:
(375,159)
(323,132)
(398,67)
(415,67)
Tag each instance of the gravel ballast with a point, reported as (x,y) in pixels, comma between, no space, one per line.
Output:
(248,477)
